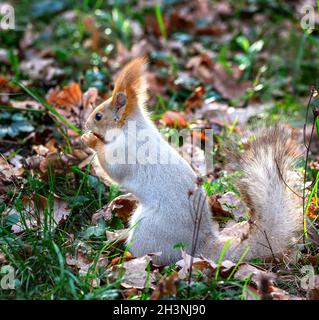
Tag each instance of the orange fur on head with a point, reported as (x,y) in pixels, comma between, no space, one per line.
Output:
(131,82)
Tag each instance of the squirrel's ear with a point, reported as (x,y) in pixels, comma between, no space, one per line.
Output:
(119,106)
(129,89)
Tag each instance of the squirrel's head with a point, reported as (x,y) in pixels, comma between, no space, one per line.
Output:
(129,94)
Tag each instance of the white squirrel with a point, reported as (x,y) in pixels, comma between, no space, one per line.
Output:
(168,193)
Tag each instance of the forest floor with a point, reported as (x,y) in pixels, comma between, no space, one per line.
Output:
(229,66)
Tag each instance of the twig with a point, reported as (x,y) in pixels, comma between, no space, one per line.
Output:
(283,180)
(312,92)
(307,146)
(197,221)
(305,176)
(270,247)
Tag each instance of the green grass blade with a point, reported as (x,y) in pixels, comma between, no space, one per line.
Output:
(160,20)
(317,126)
(225,247)
(239,262)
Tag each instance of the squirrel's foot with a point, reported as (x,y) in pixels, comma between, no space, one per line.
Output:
(89,139)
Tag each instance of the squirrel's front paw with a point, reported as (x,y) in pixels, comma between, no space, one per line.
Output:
(89,139)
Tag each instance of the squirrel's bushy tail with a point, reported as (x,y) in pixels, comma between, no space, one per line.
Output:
(267,186)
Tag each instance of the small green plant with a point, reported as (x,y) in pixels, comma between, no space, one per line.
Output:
(246,59)
(160,20)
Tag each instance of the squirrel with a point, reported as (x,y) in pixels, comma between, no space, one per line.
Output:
(169,194)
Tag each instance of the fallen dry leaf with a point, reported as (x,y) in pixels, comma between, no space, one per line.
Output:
(39,68)
(118,235)
(128,293)
(195,100)
(245,270)
(123,205)
(264,280)
(313,292)
(232,204)
(313,209)
(52,145)
(174,119)
(26,104)
(6,87)
(81,261)
(135,273)
(166,287)
(228,84)
(33,214)
(236,232)
(206,266)
(73,104)
(67,98)
(9,171)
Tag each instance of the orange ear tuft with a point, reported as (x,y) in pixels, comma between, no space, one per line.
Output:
(131,82)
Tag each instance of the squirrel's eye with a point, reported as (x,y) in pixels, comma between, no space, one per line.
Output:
(98,116)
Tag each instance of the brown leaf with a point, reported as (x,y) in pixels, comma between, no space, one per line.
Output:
(185,264)
(58,162)
(205,266)
(81,261)
(201,60)
(195,100)
(118,235)
(216,207)
(9,171)
(51,145)
(41,150)
(313,293)
(39,68)
(232,205)
(174,119)
(61,211)
(135,273)
(33,213)
(216,30)
(26,104)
(123,205)
(228,84)
(313,209)
(128,293)
(103,261)
(264,281)
(67,98)
(314,260)
(236,232)
(245,270)
(166,287)
(6,87)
